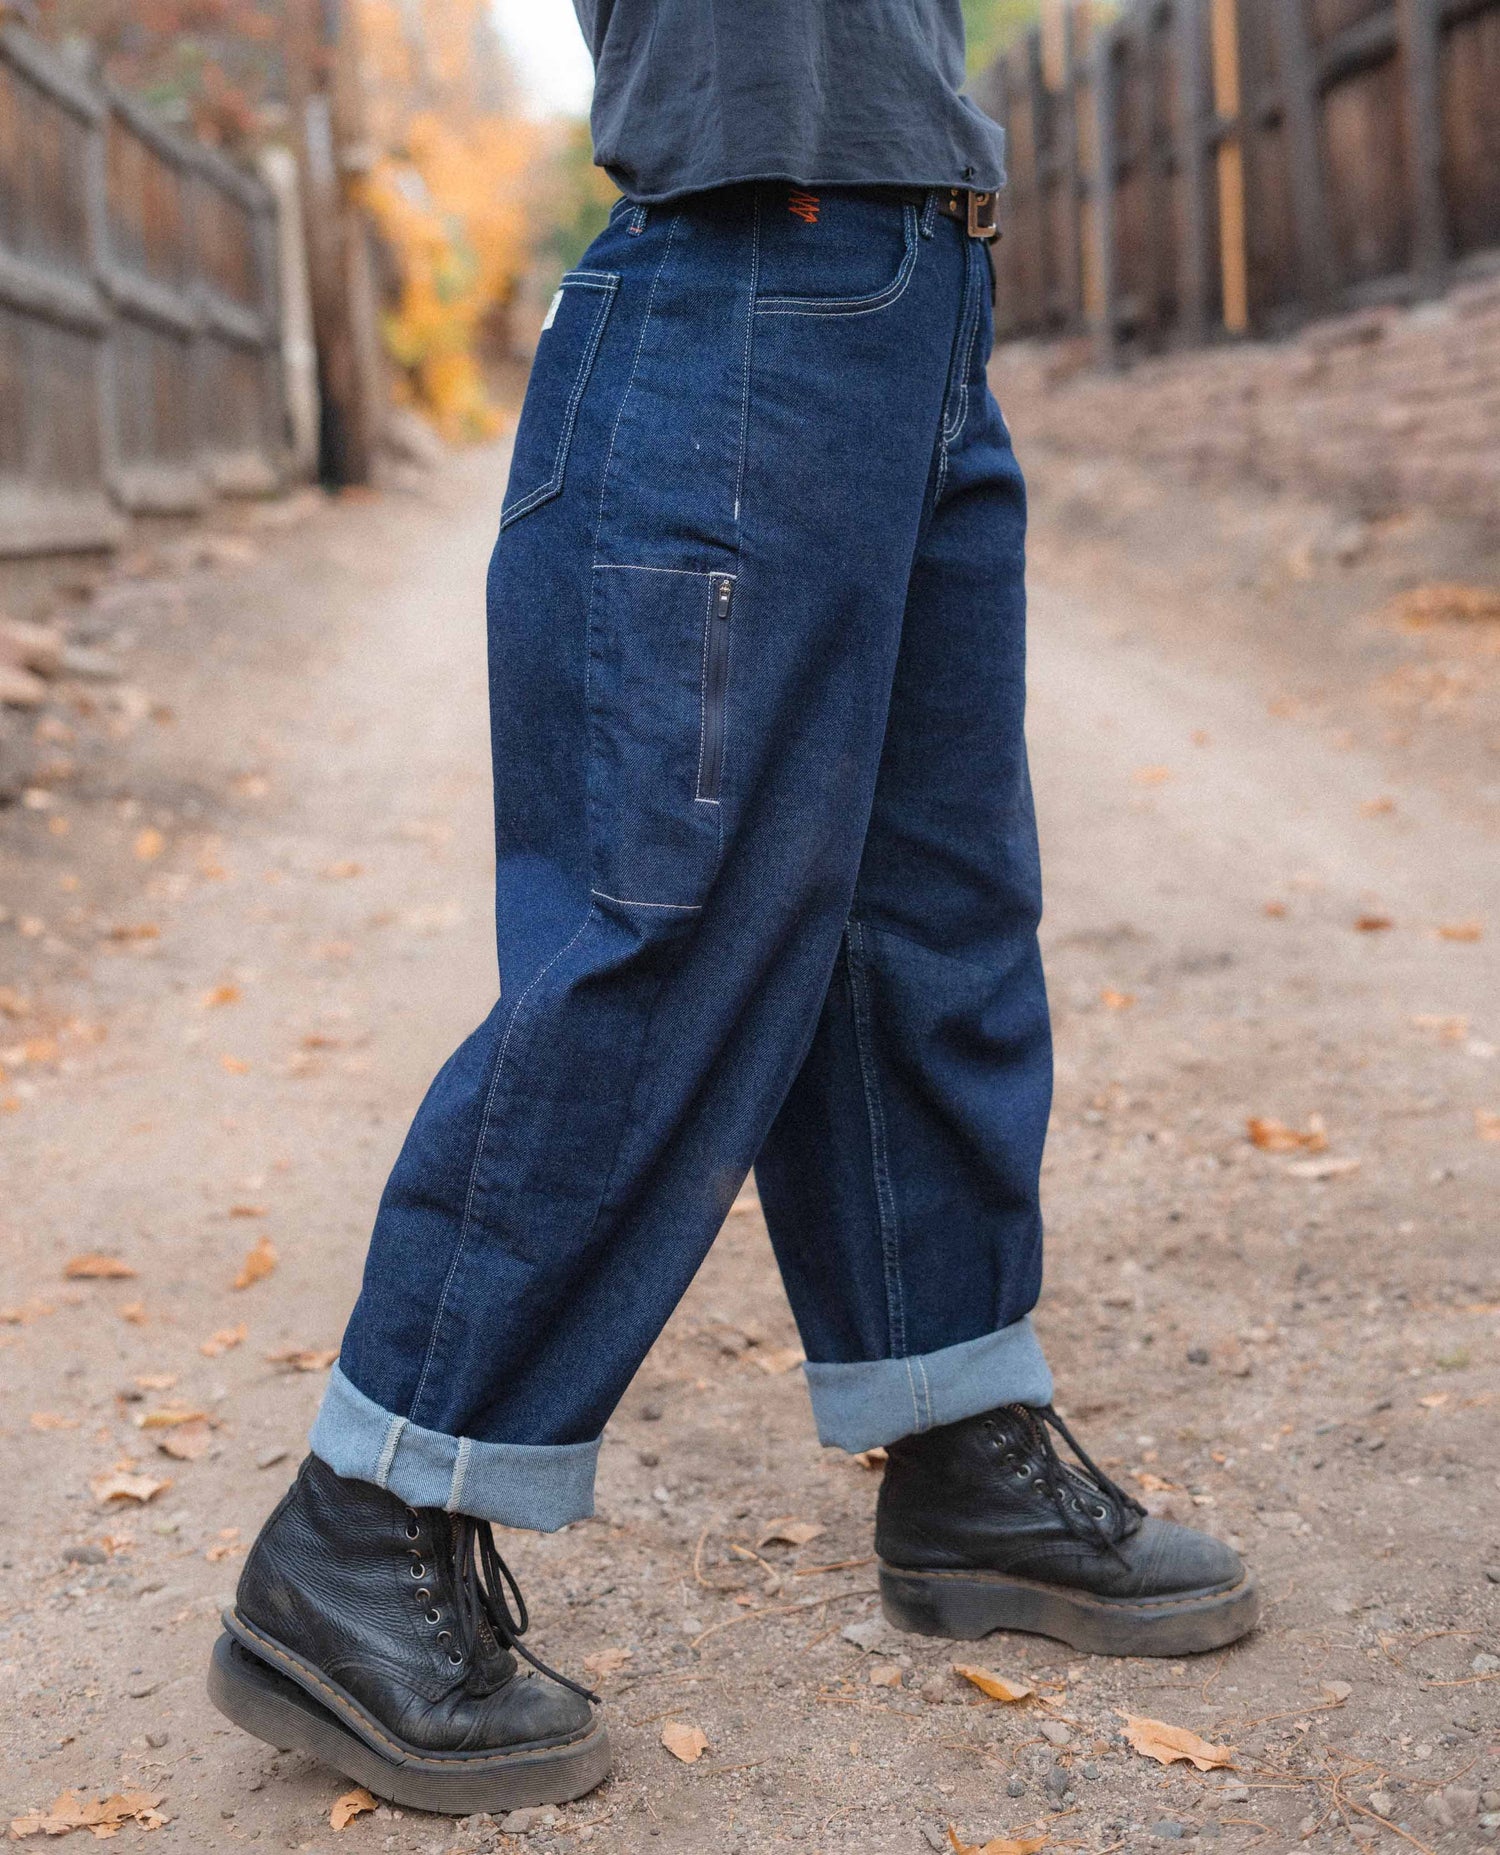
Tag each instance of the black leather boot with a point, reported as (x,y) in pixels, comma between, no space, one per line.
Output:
(380,1638)
(981,1526)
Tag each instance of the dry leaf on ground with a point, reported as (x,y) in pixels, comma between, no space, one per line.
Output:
(1372,924)
(188,1441)
(1116,1001)
(1338,1691)
(1444,603)
(221,995)
(789,1531)
(1169,1744)
(357,1802)
(1322,1168)
(304,1358)
(998,1845)
(124,1485)
(875,1458)
(134,1312)
(687,1743)
(71,1811)
(1461,930)
(1487,1124)
(1276,1137)
(1151,775)
(996,1686)
(98,1269)
(149,844)
(258,1264)
(168,1416)
(221,1341)
(234,1065)
(779,1359)
(155,1381)
(888,1675)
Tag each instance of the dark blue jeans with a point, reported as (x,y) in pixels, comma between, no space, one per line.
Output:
(767,877)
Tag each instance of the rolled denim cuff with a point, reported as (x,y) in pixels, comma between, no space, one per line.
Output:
(537,1485)
(877,1401)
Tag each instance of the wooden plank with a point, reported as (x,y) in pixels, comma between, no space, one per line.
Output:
(1234,270)
(1419,27)
(1072,253)
(1299,98)
(1193,282)
(1106,177)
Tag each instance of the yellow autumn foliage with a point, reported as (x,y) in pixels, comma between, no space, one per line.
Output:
(448,192)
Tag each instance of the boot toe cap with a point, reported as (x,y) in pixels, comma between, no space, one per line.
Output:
(1173,1558)
(531,1710)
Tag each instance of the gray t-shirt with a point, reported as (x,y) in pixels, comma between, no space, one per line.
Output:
(692,94)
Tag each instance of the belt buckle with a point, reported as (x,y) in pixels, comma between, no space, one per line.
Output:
(982,216)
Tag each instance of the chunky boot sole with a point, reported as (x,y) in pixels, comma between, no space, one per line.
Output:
(965,1605)
(333,1728)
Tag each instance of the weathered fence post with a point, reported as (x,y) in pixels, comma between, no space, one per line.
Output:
(1192,126)
(1419,25)
(1234,267)
(1299,102)
(1106,176)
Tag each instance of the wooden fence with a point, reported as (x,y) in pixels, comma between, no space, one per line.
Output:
(1186,168)
(139,353)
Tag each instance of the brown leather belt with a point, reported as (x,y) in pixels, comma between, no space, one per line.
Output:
(975,212)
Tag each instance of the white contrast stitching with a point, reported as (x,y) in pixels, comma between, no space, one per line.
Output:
(460,1474)
(856,305)
(388,1451)
(624,901)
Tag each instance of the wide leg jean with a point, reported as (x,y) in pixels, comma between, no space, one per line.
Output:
(767,878)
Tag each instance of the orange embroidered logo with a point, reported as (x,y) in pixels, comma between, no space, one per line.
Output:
(803,206)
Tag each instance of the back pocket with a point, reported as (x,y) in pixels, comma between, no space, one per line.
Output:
(559,373)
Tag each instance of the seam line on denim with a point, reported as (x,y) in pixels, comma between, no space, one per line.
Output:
(911,1386)
(460,1472)
(388,1451)
(885,1197)
(625,901)
(927,1418)
(708,619)
(691,573)
(479,1145)
(739,479)
(952,430)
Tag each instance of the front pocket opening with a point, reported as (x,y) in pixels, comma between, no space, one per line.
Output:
(715,688)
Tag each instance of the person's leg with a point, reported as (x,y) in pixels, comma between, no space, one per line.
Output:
(694,643)
(900,1181)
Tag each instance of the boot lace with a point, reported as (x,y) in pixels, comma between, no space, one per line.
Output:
(1090,1504)
(483,1586)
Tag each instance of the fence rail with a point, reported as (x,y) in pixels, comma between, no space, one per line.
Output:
(1191,167)
(139,338)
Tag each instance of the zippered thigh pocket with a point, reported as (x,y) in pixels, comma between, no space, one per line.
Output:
(659,705)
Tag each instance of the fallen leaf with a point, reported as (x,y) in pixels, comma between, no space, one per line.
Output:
(1338,1691)
(1150,1483)
(227,1543)
(234,1065)
(687,1743)
(888,1675)
(1378,808)
(779,1359)
(105,1818)
(1169,1744)
(149,844)
(1434,1401)
(98,1269)
(155,1381)
(997,1845)
(123,1485)
(1275,1137)
(247,1210)
(995,1686)
(606,1662)
(169,1416)
(223,1340)
(53,1420)
(1116,1001)
(188,1441)
(135,930)
(1446,603)
(790,1531)
(1372,924)
(304,1358)
(1322,1168)
(1452,1029)
(875,1458)
(357,1802)
(221,995)
(1461,930)
(258,1264)
(1276,910)
(1151,775)
(1487,1124)
(134,1312)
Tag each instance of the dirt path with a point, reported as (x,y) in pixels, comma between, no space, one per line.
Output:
(248,906)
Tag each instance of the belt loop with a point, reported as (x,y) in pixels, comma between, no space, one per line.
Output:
(930,213)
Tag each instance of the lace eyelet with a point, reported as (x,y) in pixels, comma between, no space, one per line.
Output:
(434,1616)
(424,1596)
(455,1658)
(443,1635)
(418,1570)
(414,1531)
(1100,1513)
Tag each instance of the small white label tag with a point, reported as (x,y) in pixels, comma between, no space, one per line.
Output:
(552,309)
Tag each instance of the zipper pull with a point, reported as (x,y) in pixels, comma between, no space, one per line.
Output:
(722,599)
